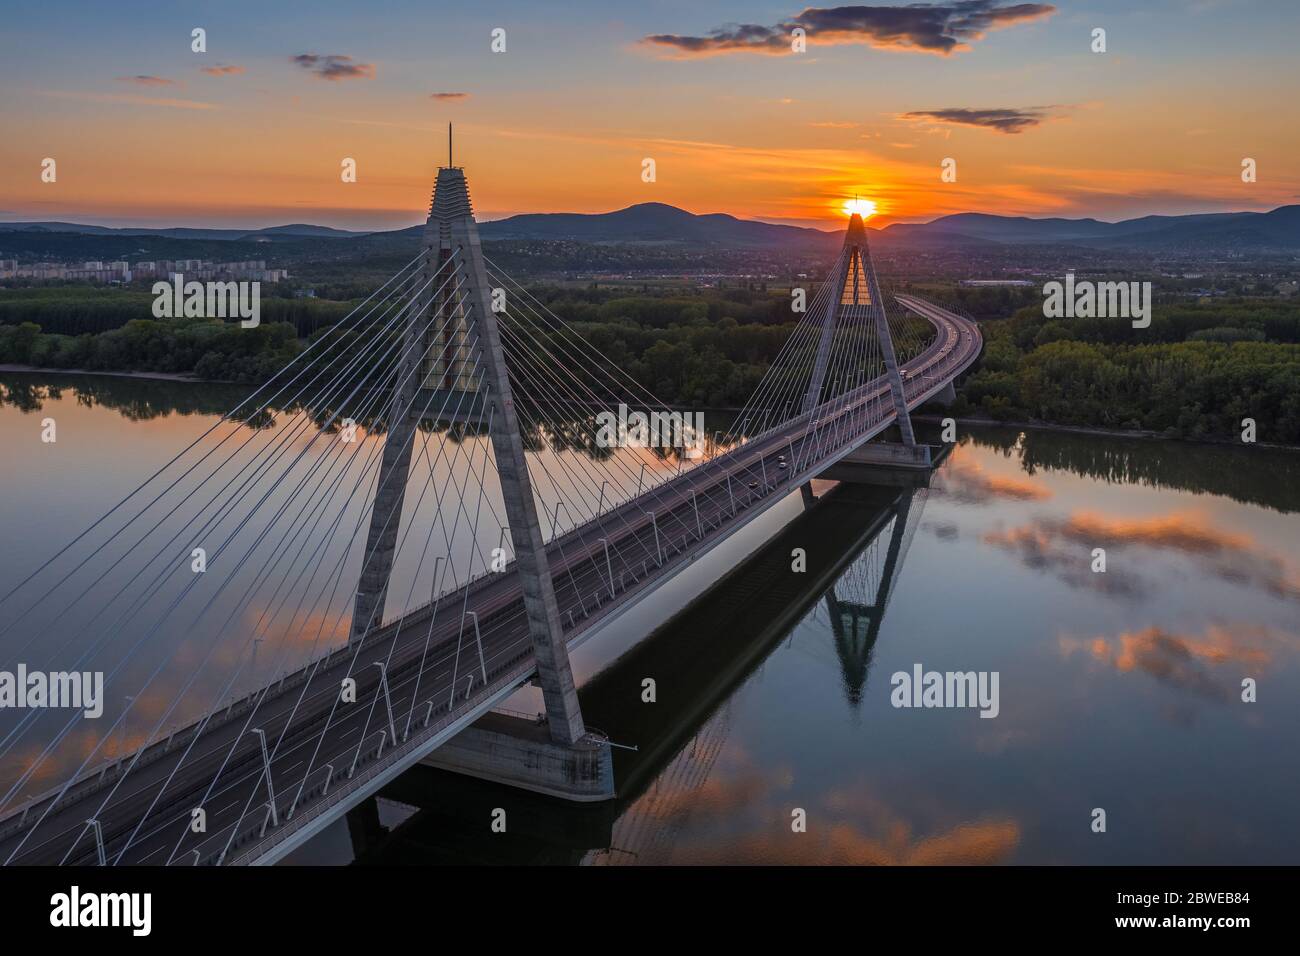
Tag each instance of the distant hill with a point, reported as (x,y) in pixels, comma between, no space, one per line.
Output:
(1279,228)
(296,230)
(658,223)
(652,222)
(643,223)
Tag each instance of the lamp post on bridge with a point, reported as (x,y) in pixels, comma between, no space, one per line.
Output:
(609,567)
(266,770)
(383,685)
(658,549)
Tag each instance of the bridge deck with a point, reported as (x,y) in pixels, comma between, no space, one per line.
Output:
(437,672)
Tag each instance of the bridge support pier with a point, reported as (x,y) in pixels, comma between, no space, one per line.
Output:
(364,828)
(888,463)
(946,396)
(390,487)
(519,752)
(554,673)
(451,242)
(858,288)
(809,499)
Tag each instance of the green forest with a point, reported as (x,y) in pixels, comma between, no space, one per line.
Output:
(207,348)
(1196,372)
(77,309)
(695,350)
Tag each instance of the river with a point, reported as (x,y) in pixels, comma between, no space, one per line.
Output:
(1162,691)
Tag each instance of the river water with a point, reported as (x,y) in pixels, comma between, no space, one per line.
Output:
(1161,695)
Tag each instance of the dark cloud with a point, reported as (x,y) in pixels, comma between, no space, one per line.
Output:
(335,66)
(1009,121)
(221,70)
(143,79)
(1038,549)
(449,96)
(943,530)
(931,28)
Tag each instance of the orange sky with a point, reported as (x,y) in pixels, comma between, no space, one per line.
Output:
(562,121)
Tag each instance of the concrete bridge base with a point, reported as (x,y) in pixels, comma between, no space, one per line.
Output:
(945,396)
(519,752)
(364,828)
(888,463)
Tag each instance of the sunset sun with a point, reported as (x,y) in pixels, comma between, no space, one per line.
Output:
(863,207)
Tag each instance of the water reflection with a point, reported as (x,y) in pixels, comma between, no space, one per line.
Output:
(1205,664)
(1052,544)
(700,661)
(1232,471)
(855,604)
(1122,689)
(459,415)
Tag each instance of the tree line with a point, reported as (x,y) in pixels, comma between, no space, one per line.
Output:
(1198,371)
(79,309)
(207,348)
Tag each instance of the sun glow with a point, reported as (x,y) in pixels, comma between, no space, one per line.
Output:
(863,207)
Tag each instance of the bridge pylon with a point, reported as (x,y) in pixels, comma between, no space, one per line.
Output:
(858,290)
(451,244)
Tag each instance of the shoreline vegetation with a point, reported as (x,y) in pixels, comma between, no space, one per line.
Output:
(932,417)
(1227,468)
(148,376)
(1198,370)
(929,415)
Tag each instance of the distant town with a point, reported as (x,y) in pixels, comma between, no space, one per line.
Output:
(122,272)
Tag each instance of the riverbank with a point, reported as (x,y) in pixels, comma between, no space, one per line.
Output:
(158,376)
(1140,434)
(930,419)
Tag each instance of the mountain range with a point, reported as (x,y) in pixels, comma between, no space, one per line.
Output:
(1279,228)
(294,230)
(659,223)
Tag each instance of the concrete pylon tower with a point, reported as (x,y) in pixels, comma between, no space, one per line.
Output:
(859,296)
(451,245)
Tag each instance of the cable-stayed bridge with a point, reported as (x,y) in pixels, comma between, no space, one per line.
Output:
(530,531)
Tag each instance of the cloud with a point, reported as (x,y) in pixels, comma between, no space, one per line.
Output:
(1189,662)
(1179,531)
(448,96)
(965,480)
(1007,120)
(858,826)
(943,530)
(1039,548)
(335,66)
(828,124)
(929,28)
(143,79)
(221,70)
(1064,547)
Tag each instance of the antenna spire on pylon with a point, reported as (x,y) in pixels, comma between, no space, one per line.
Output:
(449,162)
